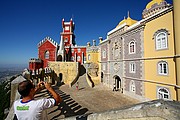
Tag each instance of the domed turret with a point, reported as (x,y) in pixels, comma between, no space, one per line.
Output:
(153,7)
(150,4)
(129,21)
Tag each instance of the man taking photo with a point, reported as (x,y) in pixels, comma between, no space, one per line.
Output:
(28,108)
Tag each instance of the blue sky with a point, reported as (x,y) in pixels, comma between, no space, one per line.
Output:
(24,23)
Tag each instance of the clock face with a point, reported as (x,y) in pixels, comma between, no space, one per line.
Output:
(66,27)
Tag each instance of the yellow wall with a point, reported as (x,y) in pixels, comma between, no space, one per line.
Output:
(93,57)
(69,70)
(163,22)
(176,4)
(151,73)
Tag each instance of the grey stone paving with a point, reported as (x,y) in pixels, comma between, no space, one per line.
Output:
(99,98)
(86,100)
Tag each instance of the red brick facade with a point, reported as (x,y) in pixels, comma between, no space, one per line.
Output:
(35,64)
(47,52)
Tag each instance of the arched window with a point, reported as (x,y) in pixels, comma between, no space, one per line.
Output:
(161,40)
(132,47)
(104,53)
(66,39)
(89,57)
(72,58)
(72,50)
(162,68)
(46,55)
(132,86)
(78,58)
(163,93)
(79,50)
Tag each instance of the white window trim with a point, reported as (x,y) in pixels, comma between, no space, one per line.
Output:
(104,53)
(160,94)
(160,68)
(79,50)
(46,54)
(130,47)
(72,50)
(131,65)
(78,58)
(132,86)
(67,28)
(161,41)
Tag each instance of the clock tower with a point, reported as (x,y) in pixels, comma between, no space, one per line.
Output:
(68,50)
(68,33)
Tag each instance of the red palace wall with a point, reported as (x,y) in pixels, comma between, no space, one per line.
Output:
(47,46)
(35,65)
(79,53)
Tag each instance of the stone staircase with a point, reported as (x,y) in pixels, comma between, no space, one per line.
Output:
(69,107)
(82,82)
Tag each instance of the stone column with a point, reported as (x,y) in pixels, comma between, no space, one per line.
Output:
(176,4)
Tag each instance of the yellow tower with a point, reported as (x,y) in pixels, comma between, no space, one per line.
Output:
(153,2)
(160,68)
(176,4)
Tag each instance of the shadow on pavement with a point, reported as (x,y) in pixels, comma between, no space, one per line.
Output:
(67,108)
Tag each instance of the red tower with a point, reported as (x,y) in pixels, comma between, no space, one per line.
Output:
(68,33)
(49,50)
(71,52)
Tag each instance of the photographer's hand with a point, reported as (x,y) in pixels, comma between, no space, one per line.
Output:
(39,86)
(53,92)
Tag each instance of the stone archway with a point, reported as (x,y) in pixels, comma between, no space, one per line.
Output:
(59,58)
(117,82)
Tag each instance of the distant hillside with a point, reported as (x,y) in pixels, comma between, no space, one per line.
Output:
(6,72)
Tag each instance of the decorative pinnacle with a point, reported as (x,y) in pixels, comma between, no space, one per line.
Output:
(128,14)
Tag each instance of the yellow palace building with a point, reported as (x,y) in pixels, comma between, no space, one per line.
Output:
(159,64)
(142,57)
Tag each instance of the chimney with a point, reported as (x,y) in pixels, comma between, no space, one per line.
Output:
(94,42)
(100,39)
(88,44)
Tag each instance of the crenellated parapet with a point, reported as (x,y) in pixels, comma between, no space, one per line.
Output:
(49,39)
(35,60)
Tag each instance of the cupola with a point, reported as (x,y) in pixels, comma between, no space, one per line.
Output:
(129,21)
(153,7)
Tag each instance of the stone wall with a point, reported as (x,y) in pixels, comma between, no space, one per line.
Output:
(66,72)
(152,110)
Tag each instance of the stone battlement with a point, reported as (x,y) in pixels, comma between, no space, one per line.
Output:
(49,39)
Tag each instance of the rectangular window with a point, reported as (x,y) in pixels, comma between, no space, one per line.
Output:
(132,67)
(162,68)
(104,67)
(79,50)
(104,53)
